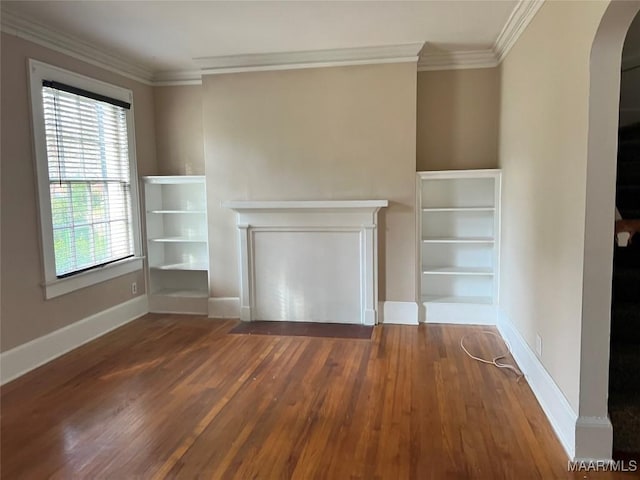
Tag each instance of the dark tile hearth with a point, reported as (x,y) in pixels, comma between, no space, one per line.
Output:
(304,329)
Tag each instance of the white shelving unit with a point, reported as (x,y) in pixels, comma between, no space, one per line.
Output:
(459,233)
(178,252)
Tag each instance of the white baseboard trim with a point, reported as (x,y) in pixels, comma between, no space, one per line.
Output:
(179,305)
(594,439)
(24,358)
(224,307)
(553,402)
(398,313)
(370,317)
(459,313)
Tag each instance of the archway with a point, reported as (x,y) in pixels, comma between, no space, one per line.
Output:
(593,429)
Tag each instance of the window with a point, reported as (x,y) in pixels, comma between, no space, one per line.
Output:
(83,133)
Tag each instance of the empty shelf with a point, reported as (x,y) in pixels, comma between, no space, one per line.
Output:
(458,240)
(174,179)
(458,209)
(179,239)
(183,266)
(458,271)
(444,299)
(171,292)
(176,211)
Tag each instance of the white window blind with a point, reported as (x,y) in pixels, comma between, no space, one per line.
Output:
(89,178)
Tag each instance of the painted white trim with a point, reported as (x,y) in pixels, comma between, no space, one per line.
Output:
(302,66)
(61,286)
(459,313)
(28,29)
(358,216)
(53,287)
(309,59)
(594,438)
(592,434)
(457,60)
(38,33)
(287,205)
(555,405)
(173,179)
(178,83)
(517,22)
(520,17)
(224,307)
(33,31)
(30,355)
(184,305)
(398,313)
(447,174)
(177,77)
(450,310)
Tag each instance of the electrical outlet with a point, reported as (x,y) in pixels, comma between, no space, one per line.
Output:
(134,288)
(539,345)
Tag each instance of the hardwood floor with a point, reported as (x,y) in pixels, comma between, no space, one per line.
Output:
(172,396)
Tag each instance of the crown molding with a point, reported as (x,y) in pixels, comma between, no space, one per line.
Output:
(177,78)
(41,34)
(75,47)
(457,60)
(309,59)
(520,17)
(517,22)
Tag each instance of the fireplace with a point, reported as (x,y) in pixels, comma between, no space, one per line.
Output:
(313,261)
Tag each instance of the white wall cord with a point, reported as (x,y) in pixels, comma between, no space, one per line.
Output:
(494,361)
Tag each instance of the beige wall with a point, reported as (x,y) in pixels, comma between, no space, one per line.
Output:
(25,315)
(180,147)
(543,154)
(458,119)
(327,133)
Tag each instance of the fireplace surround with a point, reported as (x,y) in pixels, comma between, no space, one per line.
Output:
(314,261)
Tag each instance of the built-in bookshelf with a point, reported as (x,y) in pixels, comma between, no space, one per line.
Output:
(459,225)
(177,247)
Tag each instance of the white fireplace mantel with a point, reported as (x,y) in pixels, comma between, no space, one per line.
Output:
(308,260)
(297,204)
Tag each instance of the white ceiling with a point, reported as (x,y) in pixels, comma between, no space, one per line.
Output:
(165,36)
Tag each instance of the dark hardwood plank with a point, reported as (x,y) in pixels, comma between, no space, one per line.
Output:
(304,329)
(171,396)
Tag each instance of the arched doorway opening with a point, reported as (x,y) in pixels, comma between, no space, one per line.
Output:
(624,363)
(593,429)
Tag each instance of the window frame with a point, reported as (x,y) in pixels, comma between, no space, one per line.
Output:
(54,286)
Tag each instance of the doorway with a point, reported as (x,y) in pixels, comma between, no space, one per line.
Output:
(624,364)
(593,429)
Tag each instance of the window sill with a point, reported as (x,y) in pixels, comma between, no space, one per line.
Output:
(62,286)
